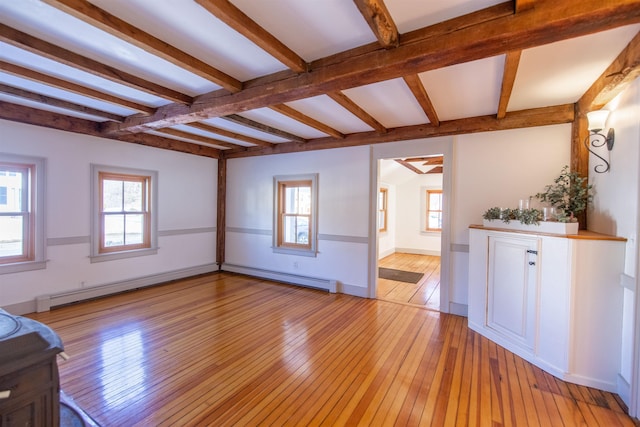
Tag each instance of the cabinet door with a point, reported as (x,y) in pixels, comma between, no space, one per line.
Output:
(512,288)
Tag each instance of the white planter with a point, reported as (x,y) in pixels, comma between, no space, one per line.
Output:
(542,227)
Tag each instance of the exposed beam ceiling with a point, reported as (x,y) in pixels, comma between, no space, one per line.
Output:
(64,56)
(240,22)
(508,29)
(97,17)
(557,20)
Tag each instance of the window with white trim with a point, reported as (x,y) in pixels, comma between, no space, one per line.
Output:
(382,209)
(295,214)
(434,210)
(124,213)
(22,239)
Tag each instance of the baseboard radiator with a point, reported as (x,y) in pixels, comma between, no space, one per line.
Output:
(310,282)
(45,302)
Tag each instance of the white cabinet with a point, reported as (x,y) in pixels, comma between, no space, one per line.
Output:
(512,287)
(553,300)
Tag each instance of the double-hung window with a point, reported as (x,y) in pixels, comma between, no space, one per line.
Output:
(382,209)
(21,213)
(124,213)
(295,216)
(434,210)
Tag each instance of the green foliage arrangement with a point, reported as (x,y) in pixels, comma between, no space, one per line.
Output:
(525,216)
(569,194)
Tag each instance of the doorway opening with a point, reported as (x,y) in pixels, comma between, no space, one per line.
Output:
(410,213)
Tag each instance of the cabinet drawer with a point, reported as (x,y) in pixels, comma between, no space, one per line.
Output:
(27,380)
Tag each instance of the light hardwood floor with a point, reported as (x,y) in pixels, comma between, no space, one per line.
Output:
(226,349)
(424,293)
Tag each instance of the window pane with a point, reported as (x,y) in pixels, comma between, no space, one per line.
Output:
(297,200)
(435,200)
(111,196)
(133,201)
(11,189)
(291,199)
(435,220)
(304,200)
(11,237)
(113,230)
(381,219)
(296,230)
(134,229)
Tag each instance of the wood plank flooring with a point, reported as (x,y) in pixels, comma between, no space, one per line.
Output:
(424,293)
(225,349)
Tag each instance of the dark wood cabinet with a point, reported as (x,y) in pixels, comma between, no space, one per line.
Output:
(29,380)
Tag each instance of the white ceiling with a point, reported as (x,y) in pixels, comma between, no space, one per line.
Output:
(548,75)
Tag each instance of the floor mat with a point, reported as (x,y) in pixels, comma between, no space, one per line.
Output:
(399,275)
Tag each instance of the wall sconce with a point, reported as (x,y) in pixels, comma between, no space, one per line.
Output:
(597,120)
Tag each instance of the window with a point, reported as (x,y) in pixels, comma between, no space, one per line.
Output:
(21,213)
(295,214)
(434,210)
(124,213)
(382,209)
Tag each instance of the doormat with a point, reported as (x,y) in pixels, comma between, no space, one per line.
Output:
(399,275)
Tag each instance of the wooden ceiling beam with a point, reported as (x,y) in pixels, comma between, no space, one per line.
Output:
(115,26)
(357,111)
(437,169)
(615,79)
(380,21)
(420,93)
(38,77)
(57,103)
(223,132)
(196,137)
(304,119)
(236,19)
(235,118)
(549,21)
(48,50)
(156,141)
(48,119)
(511,62)
(513,120)
(428,160)
(409,166)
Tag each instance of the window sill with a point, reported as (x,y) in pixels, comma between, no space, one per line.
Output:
(123,255)
(291,251)
(19,267)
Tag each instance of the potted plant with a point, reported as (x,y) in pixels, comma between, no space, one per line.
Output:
(569,195)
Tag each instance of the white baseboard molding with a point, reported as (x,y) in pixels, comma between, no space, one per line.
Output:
(624,390)
(45,302)
(459,309)
(418,251)
(310,282)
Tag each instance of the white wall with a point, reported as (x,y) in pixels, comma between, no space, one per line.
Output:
(616,211)
(343,217)
(186,208)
